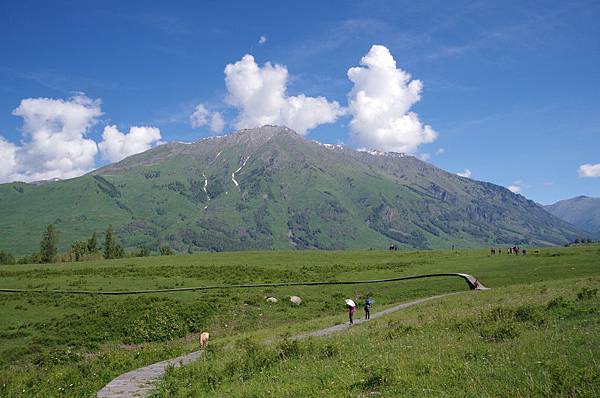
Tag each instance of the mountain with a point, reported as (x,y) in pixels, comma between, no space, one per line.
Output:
(581,211)
(269,188)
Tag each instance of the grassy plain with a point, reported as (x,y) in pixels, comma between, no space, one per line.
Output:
(485,342)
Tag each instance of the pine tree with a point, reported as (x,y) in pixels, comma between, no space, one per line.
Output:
(48,249)
(92,244)
(119,252)
(109,244)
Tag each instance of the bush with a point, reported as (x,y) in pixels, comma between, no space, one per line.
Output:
(144,252)
(586,294)
(6,258)
(166,251)
(499,331)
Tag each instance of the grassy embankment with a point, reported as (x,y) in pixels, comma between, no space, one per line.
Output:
(505,338)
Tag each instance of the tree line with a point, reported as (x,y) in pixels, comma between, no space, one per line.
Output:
(87,249)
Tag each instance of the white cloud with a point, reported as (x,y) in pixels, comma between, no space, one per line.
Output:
(589,170)
(380,103)
(200,116)
(424,156)
(54,143)
(259,93)
(514,188)
(216,122)
(262,40)
(467,173)
(116,146)
(440,151)
(8,154)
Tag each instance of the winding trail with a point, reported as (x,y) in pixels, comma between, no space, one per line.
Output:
(140,382)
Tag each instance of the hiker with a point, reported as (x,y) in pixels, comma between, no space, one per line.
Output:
(368,303)
(351,309)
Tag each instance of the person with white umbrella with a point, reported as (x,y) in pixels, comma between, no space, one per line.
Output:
(351,309)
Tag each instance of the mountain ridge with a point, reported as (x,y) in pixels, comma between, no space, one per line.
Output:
(581,211)
(269,188)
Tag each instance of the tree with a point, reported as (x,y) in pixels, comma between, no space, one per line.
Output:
(165,251)
(144,252)
(119,251)
(109,243)
(92,244)
(48,249)
(79,248)
(6,258)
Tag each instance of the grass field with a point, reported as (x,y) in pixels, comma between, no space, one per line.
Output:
(535,333)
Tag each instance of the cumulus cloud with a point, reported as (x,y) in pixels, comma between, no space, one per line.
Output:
(589,170)
(216,122)
(467,173)
(202,117)
(8,165)
(54,143)
(514,188)
(259,93)
(380,103)
(116,145)
(262,40)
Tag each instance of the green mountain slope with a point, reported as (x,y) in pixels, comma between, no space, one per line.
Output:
(268,188)
(582,211)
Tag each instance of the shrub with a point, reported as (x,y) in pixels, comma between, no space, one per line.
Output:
(288,349)
(586,294)
(165,251)
(6,258)
(499,331)
(557,303)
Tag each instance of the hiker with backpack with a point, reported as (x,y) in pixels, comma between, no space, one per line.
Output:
(368,302)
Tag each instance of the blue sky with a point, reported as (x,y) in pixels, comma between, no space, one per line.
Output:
(512,91)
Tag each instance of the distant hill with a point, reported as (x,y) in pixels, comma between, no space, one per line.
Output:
(269,188)
(581,211)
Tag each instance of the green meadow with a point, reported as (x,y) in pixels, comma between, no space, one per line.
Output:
(536,332)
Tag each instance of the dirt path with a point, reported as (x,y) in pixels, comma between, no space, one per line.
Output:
(141,382)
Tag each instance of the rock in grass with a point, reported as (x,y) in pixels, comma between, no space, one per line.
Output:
(272,299)
(296,300)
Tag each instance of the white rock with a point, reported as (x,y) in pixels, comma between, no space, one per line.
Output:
(296,300)
(272,299)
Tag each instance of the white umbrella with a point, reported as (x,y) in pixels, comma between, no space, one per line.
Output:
(350,303)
